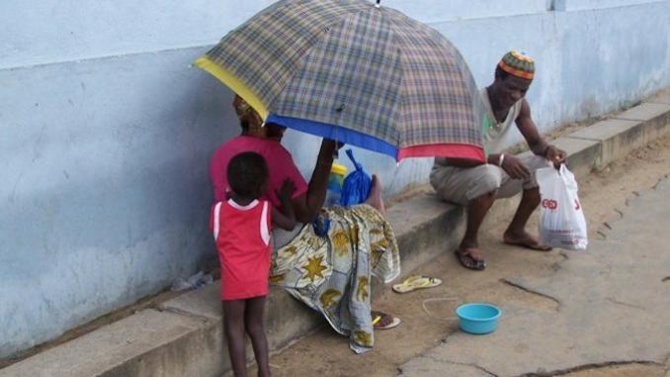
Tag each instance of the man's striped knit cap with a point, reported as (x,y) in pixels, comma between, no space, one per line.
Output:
(518,64)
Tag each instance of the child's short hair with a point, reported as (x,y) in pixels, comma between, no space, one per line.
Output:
(247,173)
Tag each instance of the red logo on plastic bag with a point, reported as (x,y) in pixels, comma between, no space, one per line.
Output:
(550,204)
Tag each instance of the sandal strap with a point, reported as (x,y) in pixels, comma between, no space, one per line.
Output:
(382,319)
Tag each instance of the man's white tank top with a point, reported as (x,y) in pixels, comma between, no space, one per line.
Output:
(494,132)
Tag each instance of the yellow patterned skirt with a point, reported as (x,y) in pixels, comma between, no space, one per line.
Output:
(332,274)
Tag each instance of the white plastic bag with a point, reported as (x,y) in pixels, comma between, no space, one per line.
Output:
(562,222)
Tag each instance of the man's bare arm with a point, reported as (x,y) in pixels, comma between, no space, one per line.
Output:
(528,129)
(537,144)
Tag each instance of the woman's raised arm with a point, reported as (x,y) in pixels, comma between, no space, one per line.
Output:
(308,206)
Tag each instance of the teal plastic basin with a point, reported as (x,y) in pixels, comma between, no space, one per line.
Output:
(478,318)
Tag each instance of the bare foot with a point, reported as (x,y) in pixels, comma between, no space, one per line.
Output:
(524,240)
(375,197)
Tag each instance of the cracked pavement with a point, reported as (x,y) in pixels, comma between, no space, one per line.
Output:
(613,308)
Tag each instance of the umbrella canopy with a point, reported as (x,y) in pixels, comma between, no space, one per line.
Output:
(356,72)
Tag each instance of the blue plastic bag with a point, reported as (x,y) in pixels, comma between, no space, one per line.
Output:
(356,186)
(321,224)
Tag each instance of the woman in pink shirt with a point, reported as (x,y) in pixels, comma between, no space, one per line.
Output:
(329,272)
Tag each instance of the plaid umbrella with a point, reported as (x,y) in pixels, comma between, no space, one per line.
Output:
(356,72)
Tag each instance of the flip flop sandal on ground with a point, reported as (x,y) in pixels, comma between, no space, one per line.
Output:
(383,321)
(416,282)
(469,262)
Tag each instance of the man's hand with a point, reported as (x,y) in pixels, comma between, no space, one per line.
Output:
(515,168)
(555,156)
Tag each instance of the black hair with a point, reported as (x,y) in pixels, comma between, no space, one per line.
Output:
(244,124)
(247,173)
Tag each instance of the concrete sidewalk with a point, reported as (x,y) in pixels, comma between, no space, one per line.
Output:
(624,280)
(183,336)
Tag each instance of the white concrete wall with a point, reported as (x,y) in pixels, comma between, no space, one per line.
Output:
(106,132)
(572,5)
(105,137)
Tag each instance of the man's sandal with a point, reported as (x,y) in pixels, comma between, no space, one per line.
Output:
(468,261)
(413,283)
(383,321)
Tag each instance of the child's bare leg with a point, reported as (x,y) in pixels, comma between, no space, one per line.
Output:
(233,328)
(253,320)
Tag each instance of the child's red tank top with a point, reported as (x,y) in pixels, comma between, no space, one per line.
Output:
(242,235)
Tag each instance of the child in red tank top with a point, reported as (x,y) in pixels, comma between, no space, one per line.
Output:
(241,227)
